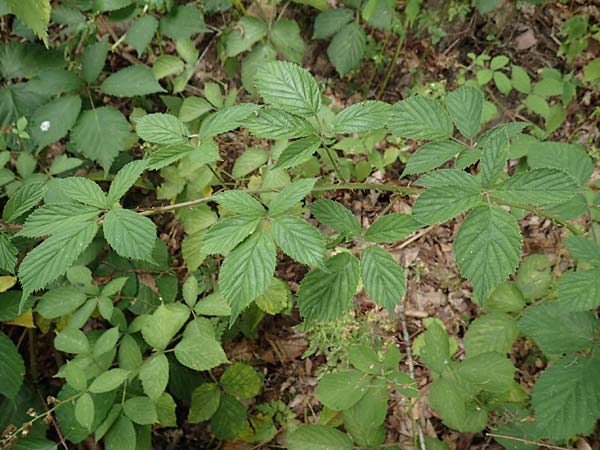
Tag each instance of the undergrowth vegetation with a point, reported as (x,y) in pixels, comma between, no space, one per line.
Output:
(141,252)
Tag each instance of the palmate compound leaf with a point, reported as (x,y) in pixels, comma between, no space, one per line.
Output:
(54,256)
(130,234)
(420,117)
(465,106)
(298,239)
(487,247)
(247,271)
(566,398)
(288,86)
(382,277)
(325,296)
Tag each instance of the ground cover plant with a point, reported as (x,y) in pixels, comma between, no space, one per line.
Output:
(303,225)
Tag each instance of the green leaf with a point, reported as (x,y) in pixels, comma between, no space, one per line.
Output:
(162,129)
(363,116)
(183,22)
(364,420)
(347,48)
(331,21)
(538,187)
(24,199)
(392,228)
(230,419)
(246,33)
(465,106)
(494,332)
(141,410)
(100,134)
(432,155)
(93,58)
(289,87)
(162,326)
(490,372)
(193,107)
(285,36)
(502,82)
(506,297)
(420,117)
(247,271)
(54,256)
(455,406)
(382,277)
(566,398)
(205,402)
(12,368)
(487,247)
(276,299)
(534,276)
(341,390)
(82,190)
(33,13)
(166,65)
(84,411)
(493,158)
(573,159)
(258,57)
(53,218)
(290,195)
(227,119)
(108,381)
(583,250)
(556,331)
(199,349)
(548,87)
(121,436)
(125,179)
(436,348)
(226,234)
(75,376)
(240,202)
(317,437)
(140,33)
(439,204)
(298,152)
(520,80)
(241,381)
(71,341)
(8,253)
(130,234)
(249,161)
(154,375)
(298,239)
(277,124)
(132,81)
(45,129)
(166,410)
(60,302)
(333,214)
(325,296)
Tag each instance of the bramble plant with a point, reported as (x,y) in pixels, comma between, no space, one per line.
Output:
(141,332)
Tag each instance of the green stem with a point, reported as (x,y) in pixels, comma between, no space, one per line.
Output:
(392,63)
(336,167)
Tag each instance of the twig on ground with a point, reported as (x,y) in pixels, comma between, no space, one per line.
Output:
(527,441)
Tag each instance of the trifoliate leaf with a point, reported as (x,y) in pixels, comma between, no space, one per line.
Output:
(285,36)
(205,402)
(140,33)
(46,129)
(154,375)
(439,204)
(318,437)
(341,390)
(227,119)
(331,21)
(83,190)
(164,323)
(140,410)
(573,159)
(298,152)
(21,201)
(246,33)
(108,381)
(241,381)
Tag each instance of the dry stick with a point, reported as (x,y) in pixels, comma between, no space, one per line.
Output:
(419,234)
(527,441)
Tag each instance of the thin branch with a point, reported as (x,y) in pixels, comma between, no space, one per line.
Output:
(527,441)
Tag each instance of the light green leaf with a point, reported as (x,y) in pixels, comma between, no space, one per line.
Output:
(226,234)
(278,124)
(121,436)
(276,299)
(241,381)
(487,247)
(520,79)
(130,234)
(199,349)
(71,341)
(534,276)
(54,256)
(154,375)
(106,342)
(227,119)
(12,368)
(33,13)
(239,202)
(336,216)
(364,420)
(566,398)
(125,179)
(100,134)
(347,48)
(260,55)
(84,411)
(455,406)
(363,116)
(24,199)
(160,328)
(249,161)
(46,129)
(382,277)
(162,129)
(166,65)
(285,36)
(247,271)
(439,204)
(506,297)
(205,402)
(290,195)
(132,81)
(318,437)
(166,410)
(465,106)
(537,187)
(583,250)
(246,33)
(60,302)
(331,21)
(288,86)
(299,240)
(108,381)
(325,296)
(140,33)
(392,228)
(141,410)
(82,190)
(340,390)
(298,152)
(53,218)
(193,107)
(432,155)
(420,117)
(494,332)
(502,82)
